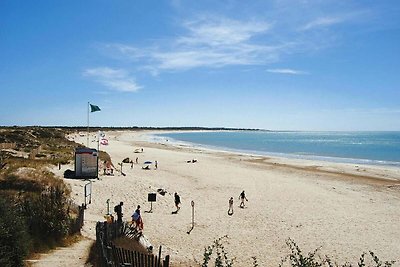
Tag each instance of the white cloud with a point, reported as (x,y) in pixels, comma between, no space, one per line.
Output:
(322,22)
(115,79)
(208,42)
(215,41)
(105,73)
(329,20)
(216,32)
(287,71)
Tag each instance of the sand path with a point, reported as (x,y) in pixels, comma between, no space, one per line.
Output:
(74,255)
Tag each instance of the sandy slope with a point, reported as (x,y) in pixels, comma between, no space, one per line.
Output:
(74,255)
(344,209)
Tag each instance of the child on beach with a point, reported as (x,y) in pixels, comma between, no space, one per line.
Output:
(242,197)
(230,210)
(177,202)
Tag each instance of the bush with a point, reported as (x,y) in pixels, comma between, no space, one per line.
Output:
(47,214)
(221,257)
(14,241)
(294,259)
(297,259)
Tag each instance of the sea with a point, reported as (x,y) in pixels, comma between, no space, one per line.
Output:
(375,148)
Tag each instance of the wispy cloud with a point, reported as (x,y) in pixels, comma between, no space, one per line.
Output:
(207,42)
(355,16)
(287,71)
(115,79)
(215,41)
(322,22)
(211,31)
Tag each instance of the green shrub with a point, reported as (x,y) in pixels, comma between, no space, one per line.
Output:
(221,256)
(47,214)
(295,258)
(14,241)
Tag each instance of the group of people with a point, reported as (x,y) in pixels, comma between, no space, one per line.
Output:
(242,198)
(137,216)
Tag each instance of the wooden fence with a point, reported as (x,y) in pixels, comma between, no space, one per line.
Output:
(123,257)
(112,255)
(77,224)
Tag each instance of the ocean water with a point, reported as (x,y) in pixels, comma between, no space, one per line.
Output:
(378,148)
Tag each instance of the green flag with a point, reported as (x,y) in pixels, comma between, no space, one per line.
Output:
(94,108)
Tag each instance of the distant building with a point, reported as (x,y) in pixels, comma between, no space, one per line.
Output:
(86,163)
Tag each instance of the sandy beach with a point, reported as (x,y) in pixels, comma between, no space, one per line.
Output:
(343,209)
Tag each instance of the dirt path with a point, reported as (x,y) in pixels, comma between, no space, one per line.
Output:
(74,255)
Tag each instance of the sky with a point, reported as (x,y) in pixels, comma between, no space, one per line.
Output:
(311,65)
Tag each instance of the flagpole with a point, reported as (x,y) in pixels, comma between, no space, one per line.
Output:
(88,124)
(98,140)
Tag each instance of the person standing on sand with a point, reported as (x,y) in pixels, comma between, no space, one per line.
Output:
(242,197)
(230,210)
(118,210)
(177,202)
(156,164)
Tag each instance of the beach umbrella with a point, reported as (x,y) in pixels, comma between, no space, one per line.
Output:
(104,142)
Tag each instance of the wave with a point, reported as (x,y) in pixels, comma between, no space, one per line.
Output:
(372,148)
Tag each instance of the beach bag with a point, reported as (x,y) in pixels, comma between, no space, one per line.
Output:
(116,208)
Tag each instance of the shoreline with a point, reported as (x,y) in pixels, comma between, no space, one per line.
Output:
(333,206)
(309,157)
(355,170)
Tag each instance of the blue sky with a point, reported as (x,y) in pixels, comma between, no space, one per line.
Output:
(279,64)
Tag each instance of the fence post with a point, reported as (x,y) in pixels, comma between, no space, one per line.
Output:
(166,261)
(159,258)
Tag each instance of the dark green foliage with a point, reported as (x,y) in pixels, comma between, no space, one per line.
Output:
(221,257)
(37,213)
(47,214)
(296,258)
(14,240)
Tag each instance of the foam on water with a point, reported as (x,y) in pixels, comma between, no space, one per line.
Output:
(378,148)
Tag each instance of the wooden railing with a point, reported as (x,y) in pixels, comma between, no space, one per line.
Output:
(124,257)
(77,224)
(112,255)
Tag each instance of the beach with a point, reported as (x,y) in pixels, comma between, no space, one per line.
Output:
(342,209)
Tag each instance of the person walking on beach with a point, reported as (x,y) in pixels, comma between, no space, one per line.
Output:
(230,210)
(137,159)
(118,210)
(137,219)
(177,202)
(156,164)
(242,197)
